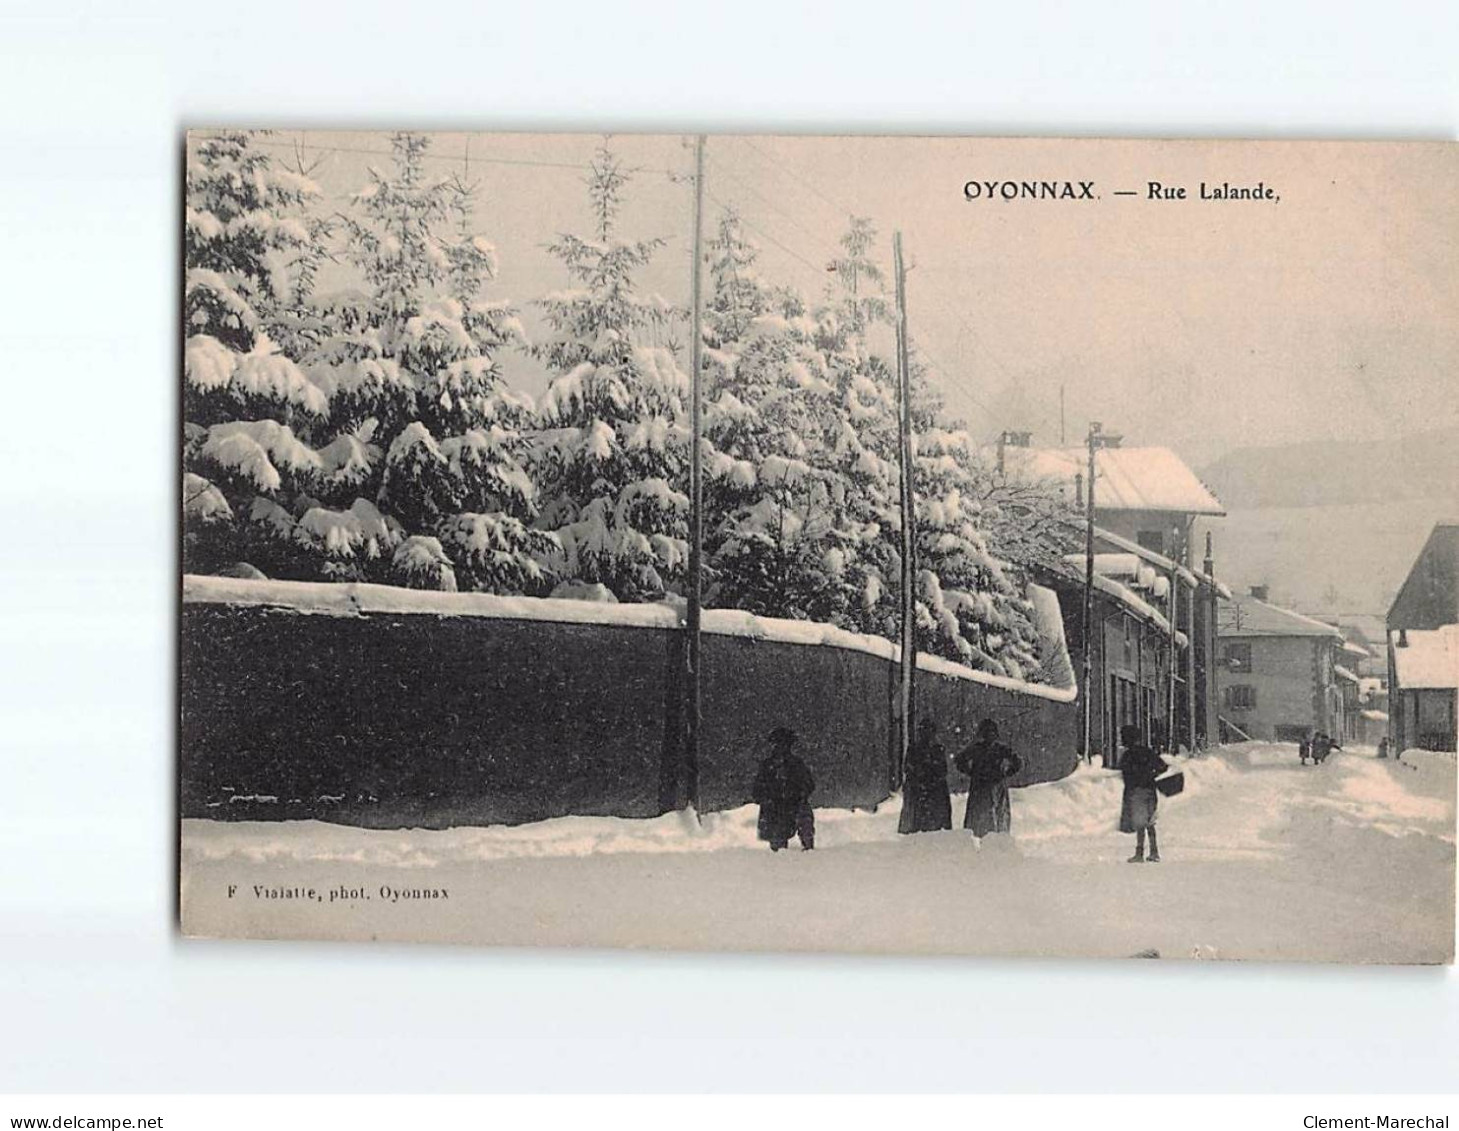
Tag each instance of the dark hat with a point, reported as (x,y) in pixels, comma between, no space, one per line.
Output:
(782,736)
(987,729)
(1129,735)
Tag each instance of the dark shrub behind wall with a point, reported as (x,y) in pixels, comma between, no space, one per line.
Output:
(413,719)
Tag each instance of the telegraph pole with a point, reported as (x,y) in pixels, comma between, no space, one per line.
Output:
(1173,611)
(696,491)
(1210,709)
(1088,698)
(908,693)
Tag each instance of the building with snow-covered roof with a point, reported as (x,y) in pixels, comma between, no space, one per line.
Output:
(1146,503)
(1146,494)
(1133,647)
(1423,647)
(1280,678)
(1425,688)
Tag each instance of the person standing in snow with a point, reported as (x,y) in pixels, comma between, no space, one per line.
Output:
(783,788)
(1383,747)
(989,764)
(928,804)
(1304,749)
(1140,766)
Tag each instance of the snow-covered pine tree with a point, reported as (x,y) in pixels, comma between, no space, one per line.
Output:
(769,545)
(611,449)
(970,603)
(414,380)
(862,443)
(250,413)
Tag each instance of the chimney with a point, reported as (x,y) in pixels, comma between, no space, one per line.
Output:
(1007,439)
(1261,592)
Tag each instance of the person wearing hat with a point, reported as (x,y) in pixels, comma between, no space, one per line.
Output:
(783,787)
(989,765)
(1140,766)
(927,804)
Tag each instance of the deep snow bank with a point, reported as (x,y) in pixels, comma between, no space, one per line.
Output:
(1084,804)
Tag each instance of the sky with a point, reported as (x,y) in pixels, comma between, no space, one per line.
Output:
(1326,314)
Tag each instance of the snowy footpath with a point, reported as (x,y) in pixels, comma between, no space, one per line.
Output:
(1265,859)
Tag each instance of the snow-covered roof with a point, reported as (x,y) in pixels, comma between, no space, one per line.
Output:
(1126,479)
(1345,673)
(1246,616)
(1353,649)
(1136,605)
(1069,571)
(358,599)
(1430,660)
(1374,716)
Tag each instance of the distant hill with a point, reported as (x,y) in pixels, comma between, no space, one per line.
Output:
(1338,473)
(1332,528)
(1337,560)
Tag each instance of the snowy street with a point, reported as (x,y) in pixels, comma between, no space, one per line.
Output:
(1264,859)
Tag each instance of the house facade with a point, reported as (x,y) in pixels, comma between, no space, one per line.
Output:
(1279,679)
(1132,649)
(1423,647)
(1146,503)
(1422,703)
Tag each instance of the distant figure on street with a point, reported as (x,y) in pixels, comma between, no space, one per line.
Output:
(1140,766)
(927,804)
(989,764)
(1322,746)
(783,788)
(1383,747)
(1304,749)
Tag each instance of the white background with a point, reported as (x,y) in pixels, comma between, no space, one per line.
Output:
(96,990)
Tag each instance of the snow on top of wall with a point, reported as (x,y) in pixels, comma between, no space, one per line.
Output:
(358,599)
(1048,619)
(1430,661)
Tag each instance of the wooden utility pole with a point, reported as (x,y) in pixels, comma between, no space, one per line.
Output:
(1210,709)
(1087,698)
(908,690)
(696,492)
(1172,608)
(1191,598)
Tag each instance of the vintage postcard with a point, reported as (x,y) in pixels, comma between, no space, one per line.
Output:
(867,544)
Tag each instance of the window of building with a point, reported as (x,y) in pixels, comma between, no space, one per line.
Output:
(1238,657)
(1240,697)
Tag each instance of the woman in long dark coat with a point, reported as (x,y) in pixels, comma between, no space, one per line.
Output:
(989,765)
(1140,766)
(927,804)
(783,788)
